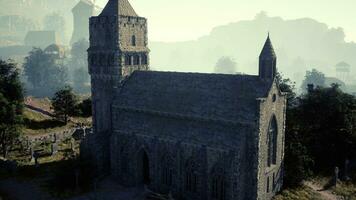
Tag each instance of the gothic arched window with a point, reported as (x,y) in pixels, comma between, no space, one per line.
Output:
(136,60)
(218,184)
(191,177)
(144,59)
(272,142)
(166,171)
(124,162)
(133,40)
(128,60)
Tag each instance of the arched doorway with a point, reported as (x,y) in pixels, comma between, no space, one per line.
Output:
(143,168)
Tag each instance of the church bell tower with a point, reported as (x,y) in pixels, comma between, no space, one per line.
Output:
(268,61)
(118,47)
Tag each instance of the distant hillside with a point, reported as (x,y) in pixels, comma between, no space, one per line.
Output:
(301,44)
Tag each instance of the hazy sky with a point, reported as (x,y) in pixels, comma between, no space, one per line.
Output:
(177,20)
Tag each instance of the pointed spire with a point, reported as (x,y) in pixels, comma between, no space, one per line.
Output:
(268,51)
(118,7)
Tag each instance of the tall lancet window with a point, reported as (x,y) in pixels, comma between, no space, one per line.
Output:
(272,142)
(133,40)
(167,171)
(191,177)
(218,184)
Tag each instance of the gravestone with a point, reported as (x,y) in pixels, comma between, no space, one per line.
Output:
(346,170)
(32,159)
(36,156)
(336,177)
(28,143)
(54,149)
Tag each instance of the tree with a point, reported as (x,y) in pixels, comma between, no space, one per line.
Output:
(81,80)
(313,77)
(11,105)
(79,65)
(79,50)
(65,104)
(85,108)
(298,162)
(226,65)
(45,73)
(325,121)
(288,86)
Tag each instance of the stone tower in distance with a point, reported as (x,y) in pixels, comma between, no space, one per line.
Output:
(81,14)
(118,47)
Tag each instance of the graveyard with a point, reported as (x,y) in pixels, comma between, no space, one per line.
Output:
(46,152)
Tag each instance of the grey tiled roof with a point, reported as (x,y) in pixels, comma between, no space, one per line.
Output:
(213,96)
(268,51)
(118,7)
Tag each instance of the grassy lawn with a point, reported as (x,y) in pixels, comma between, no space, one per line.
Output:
(346,190)
(37,124)
(301,193)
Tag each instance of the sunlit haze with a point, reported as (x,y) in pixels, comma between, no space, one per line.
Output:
(186,19)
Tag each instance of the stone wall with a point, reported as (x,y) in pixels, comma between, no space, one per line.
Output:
(210,148)
(273,105)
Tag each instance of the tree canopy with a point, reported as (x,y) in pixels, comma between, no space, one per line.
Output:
(11,105)
(65,104)
(44,72)
(319,130)
(226,65)
(314,77)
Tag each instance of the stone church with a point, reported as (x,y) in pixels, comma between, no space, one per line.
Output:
(196,136)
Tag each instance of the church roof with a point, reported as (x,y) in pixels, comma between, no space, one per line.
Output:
(210,96)
(118,7)
(268,51)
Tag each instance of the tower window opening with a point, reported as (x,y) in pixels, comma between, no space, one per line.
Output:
(133,40)
(136,60)
(128,60)
(144,59)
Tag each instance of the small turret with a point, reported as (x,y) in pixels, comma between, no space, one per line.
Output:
(268,61)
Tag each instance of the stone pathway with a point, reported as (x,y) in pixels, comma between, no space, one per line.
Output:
(325,194)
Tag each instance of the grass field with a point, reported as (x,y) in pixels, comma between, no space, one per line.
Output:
(37,124)
(301,193)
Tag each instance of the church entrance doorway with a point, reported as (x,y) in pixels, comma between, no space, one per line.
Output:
(143,168)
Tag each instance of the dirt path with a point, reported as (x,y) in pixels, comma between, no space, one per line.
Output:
(325,194)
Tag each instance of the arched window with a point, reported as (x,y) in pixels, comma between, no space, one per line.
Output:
(166,171)
(136,60)
(128,60)
(218,184)
(133,40)
(191,177)
(144,59)
(124,162)
(272,142)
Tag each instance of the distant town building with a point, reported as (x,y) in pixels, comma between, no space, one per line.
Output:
(343,71)
(40,39)
(81,14)
(195,136)
(57,51)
